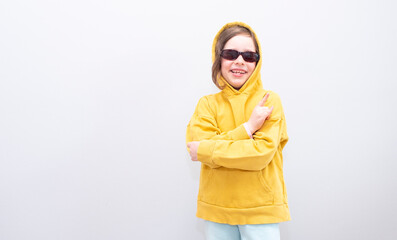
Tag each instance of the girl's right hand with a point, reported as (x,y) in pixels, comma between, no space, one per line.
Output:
(193,147)
(259,115)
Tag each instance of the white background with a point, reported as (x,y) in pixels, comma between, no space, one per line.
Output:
(95,97)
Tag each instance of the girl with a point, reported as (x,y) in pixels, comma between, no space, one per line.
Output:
(238,135)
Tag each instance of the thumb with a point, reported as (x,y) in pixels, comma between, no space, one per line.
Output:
(188,147)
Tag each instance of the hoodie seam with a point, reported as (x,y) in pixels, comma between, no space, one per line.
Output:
(278,204)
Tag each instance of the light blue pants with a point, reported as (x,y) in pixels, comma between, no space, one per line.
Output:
(220,231)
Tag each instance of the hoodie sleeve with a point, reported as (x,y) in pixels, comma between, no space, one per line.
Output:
(248,154)
(202,126)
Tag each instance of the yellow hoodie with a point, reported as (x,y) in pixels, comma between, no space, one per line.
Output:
(241,180)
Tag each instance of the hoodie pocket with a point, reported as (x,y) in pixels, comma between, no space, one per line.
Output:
(235,188)
(263,181)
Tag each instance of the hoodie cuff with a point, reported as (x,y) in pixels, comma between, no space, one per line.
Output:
(241,133)
(204,152)
(247,130)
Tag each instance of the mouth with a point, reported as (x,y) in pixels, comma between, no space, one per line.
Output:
(238,71)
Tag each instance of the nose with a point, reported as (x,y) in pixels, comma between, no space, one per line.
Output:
(239,59)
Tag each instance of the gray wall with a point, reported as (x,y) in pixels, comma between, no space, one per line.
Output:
(95,97)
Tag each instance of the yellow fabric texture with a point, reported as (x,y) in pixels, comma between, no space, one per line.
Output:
(241,179)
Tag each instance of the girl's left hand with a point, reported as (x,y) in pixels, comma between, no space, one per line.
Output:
(193,146)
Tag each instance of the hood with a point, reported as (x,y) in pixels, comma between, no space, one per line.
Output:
(254,81)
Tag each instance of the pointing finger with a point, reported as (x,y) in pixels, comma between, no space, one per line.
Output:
(263,101)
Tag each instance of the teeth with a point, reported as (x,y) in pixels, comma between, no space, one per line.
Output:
(233,71)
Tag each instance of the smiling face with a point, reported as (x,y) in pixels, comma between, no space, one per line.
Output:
(236,72)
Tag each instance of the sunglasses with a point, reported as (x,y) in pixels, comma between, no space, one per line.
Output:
(230,54)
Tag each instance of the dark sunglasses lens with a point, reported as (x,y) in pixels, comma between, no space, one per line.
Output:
(229,54)
(250,56)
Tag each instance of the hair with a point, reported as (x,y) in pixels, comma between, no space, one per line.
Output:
(223,37)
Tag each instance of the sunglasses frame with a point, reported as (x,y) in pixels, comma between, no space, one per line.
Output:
(256,55)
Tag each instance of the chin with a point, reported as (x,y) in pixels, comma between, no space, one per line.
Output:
(238,84)
(237,87)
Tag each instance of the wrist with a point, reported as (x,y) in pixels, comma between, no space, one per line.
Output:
(248,129)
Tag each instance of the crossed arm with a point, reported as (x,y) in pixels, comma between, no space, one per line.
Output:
(235,148)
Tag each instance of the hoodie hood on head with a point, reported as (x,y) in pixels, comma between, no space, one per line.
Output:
(254,81)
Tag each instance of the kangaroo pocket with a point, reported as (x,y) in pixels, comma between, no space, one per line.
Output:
(235,188)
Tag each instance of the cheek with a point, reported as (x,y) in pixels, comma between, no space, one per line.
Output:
(251,67)
(224,66)
(223,63)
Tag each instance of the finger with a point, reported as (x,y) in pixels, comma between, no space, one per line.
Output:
(263,101)
(188,144)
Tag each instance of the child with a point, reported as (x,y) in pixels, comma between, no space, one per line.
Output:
(238,135)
